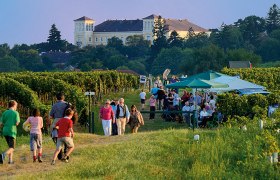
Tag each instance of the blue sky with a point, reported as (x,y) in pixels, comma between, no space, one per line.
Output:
(29,21)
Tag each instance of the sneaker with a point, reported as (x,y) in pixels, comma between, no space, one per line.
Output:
(65,159)
(1,159)
(12,162)
(39,159)
(53,162)
(34,160)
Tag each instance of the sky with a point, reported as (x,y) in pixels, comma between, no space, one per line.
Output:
(29,21)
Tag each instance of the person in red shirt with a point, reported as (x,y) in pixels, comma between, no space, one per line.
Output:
(65,135)
(107,115)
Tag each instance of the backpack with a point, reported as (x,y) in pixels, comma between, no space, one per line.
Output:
(68,105)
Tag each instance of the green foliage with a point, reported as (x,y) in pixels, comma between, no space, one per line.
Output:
(267,77)
(243,55)
(273,19)
(9,64)
(231,105)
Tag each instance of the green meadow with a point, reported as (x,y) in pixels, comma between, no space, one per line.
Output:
(161,150)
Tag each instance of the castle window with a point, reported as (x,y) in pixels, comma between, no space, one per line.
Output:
(101,39)
(148,38)
(96,39)
(89,39)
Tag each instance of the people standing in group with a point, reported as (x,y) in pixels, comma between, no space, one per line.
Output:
(107,115)
(114,123)
(142,99)
(65,135)
(160,97)
(57,112)
(152,102)
(122,116)
(154,91)
(10,120)
(197,99)
(36,122)
(135,119)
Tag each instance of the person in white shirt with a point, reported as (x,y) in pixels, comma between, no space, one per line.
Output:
(143,99)
(187,108)
(203,117)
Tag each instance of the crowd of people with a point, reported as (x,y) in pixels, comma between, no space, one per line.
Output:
(204,103)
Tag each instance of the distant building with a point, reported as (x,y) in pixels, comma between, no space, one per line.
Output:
(87,34)
(240,64)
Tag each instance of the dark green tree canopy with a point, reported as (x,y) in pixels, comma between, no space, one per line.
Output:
(273,19)
(54,39)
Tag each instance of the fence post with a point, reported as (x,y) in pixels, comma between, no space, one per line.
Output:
(92,122)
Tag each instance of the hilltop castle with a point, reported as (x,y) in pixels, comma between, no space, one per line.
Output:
(87,34)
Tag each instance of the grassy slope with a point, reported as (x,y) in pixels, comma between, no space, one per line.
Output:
(161,150)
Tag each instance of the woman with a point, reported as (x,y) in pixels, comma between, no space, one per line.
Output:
(135,119)
(152,107)
(107,115)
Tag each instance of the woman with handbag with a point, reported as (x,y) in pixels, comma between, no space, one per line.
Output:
(135,120)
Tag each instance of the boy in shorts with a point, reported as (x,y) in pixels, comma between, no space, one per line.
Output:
(9,120)
(65,135)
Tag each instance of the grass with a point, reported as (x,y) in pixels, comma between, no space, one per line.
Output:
(161,150)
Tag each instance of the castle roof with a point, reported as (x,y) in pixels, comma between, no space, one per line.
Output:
(182,25)
(83,19)
(119,26)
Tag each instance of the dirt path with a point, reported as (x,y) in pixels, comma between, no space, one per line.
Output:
(23,157)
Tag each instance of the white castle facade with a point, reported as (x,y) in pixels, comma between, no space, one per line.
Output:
(87,34)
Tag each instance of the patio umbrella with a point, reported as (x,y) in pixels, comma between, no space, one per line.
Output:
(197,83)
(208,75)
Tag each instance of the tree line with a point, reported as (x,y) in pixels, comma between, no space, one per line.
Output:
(255,39)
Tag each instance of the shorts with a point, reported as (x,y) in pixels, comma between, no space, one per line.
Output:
(68,141)
(143,101)
(10,141)
(35,141)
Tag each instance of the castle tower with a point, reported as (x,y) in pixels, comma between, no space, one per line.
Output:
(148,26)
(83,34)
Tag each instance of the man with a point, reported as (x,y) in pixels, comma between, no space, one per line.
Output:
(122,116)
(65,135)
(187,108)
(142,98)
(10,119)
(160,97)
(57,112)
(176,99)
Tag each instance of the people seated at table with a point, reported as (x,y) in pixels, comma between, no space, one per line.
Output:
(187,116)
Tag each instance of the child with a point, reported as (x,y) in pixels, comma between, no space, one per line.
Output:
(65,135)
(9,120)
(36,122)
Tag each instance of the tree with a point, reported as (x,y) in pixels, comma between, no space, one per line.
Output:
(4,50)
(209,58)
(229,37)
(243,55)
(197,40)
(168,58)
(269,49)
(251,28)
(136,46)
(115,61)
(9,64)
(30,60)
(175,40)
(116,43)
(159,32)
(273,19)
(54,39)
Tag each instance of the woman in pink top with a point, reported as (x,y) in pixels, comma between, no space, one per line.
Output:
(152,106)
(107,115)
(36,122)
